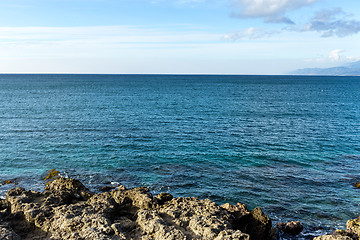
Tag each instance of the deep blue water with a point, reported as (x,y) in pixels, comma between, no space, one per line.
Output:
(288,144)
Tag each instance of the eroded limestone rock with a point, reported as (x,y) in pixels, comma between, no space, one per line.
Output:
(352,232)
(353,226)
(256,223)
(67,210)
(338,235)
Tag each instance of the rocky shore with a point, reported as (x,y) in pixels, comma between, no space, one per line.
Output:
(66,209)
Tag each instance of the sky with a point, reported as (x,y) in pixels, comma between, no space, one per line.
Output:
(177,36)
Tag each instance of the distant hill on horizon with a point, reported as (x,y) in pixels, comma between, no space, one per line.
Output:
(351,69)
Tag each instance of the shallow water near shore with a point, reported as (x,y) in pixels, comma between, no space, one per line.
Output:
(287,144)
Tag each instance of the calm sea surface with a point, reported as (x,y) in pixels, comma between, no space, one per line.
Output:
(288,144)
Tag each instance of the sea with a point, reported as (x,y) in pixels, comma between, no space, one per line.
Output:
(287,144)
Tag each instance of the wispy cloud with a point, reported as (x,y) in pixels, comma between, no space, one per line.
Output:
(182,3)
(126,49)
(190,1)
(272,11)
(333,22)
(119,34)
(95,41)
(250,33)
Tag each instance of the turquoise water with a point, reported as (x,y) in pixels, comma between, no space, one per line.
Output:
(288,144)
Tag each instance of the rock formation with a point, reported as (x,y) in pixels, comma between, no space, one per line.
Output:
(293,228)
(352,232)
(67,210)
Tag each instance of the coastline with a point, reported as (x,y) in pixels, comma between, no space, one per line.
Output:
(285,144)
(66,209)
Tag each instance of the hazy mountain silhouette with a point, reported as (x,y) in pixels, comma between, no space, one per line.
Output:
(351,69)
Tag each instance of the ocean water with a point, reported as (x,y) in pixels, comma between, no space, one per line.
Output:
(288,144)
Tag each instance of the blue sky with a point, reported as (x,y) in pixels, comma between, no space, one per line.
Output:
(177,36)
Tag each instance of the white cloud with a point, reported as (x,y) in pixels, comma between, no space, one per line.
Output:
(338,55)
(270,10)
(335,54)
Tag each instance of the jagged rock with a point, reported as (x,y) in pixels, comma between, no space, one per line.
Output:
(353,226)
(71,186)
(257,224)
(237,208)
(337,235)
(53,212)
(333,237)
(67,210)
(151,223)
(293,227)
(231,235)
(138,197)
(189,218)
(351,233)
(163,197)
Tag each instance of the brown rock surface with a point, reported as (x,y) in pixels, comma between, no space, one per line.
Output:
(294,227)
(337,235)
(352,232)
(67,210)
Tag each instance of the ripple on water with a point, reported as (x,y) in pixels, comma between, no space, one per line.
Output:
(288,144)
